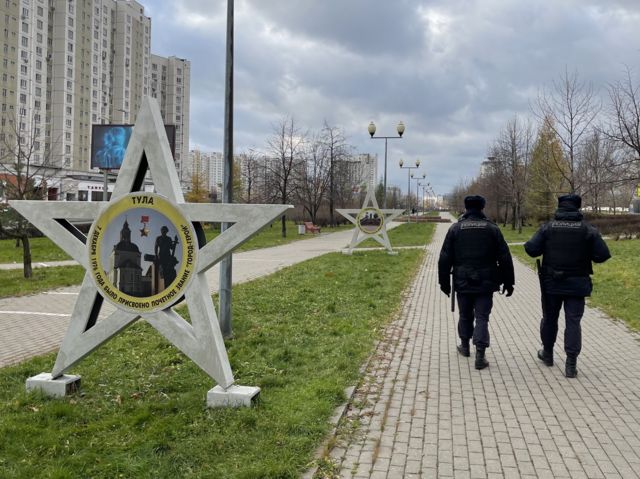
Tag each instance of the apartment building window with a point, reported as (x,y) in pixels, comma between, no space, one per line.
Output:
(23,98)
(70,7)
(69,98)
(39,51)
(24,41)
(69,47)
(67,136)
(68,110)
(38,78)
(23,84)
(39,37)
(38,91)
(40,11)
(23,69)
(70,59)
(68,122)
(38,64)
(70,34)
(36,104)
(69,85)
(25,11)
(23,111)
(25,27)
(39,25)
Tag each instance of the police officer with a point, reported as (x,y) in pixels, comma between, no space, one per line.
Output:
(568,245)
(476,250)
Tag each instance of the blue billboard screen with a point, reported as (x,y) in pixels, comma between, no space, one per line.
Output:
(109,144)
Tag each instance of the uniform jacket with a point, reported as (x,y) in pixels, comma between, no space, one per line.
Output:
(476,251)
(559,277)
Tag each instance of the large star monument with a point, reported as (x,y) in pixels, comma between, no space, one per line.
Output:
(370,221)
(144,275)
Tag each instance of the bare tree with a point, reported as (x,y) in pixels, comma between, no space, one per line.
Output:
(25,175)
(285,147)
(572,107)
(601,169)
(337,149)
(249,174)
(624,115)
(513,150)
(315,177)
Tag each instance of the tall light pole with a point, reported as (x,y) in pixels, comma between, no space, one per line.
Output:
(424,192)
(417,180)
(227,186)
(409,168)
(372,131)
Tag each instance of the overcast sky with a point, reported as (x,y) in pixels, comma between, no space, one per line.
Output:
(454,71)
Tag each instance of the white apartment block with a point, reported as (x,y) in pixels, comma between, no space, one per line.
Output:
(67,64)
(209,165)
(169,83)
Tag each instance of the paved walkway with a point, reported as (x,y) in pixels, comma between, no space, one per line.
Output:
(424,411)
(36,324)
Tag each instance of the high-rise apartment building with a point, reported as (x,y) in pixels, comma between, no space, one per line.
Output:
(169,84)
(207,164)
(67,64)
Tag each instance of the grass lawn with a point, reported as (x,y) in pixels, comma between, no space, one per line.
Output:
(13,283)
(407,234)
(142,409)
(42,249)
(615,283)
(512,236)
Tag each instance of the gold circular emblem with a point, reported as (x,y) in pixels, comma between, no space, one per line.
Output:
(142,253)
(370,220)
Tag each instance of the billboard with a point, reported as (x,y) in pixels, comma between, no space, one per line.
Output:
(109,144)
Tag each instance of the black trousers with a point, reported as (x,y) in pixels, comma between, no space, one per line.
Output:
(573,311)
(475,307)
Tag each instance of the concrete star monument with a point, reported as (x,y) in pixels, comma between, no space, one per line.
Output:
(370,222)
(144,275)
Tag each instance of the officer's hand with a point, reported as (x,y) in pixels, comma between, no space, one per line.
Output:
(508,289)
(446,289)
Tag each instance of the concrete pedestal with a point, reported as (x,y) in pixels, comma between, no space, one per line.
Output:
(59,387)
(233,396)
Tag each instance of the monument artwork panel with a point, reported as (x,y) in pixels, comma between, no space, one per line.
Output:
(153,263)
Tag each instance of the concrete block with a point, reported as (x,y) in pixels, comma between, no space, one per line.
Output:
(58,387)
(233,396)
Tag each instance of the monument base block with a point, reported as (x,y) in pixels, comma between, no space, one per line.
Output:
(59,387)
(233,396)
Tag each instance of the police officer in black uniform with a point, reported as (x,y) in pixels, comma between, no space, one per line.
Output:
(568,245)
(476,250)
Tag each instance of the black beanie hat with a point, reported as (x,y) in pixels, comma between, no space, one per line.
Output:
(570,201)
(474,202)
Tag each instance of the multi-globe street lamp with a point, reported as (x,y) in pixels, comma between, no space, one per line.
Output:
(417,179)
(409,168)
(372,131)
(424,192)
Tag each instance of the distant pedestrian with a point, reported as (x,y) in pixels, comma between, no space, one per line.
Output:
(568,245)
(476,251)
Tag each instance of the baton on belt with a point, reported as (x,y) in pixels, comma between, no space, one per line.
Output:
(453,295)
(542,295)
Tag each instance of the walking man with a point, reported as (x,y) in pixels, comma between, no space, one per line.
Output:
(476,251)
(568,245)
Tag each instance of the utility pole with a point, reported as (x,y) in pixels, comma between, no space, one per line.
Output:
(227,187)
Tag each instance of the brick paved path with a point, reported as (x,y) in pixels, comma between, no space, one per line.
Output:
(424,411)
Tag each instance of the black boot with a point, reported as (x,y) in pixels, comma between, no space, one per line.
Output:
(570,367)
(481,362)
(463,348)
(546,356)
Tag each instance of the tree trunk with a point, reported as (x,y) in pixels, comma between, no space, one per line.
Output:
(284,226)
(26,256)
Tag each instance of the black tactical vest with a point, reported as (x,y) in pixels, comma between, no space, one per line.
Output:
(475,244)
(566,252)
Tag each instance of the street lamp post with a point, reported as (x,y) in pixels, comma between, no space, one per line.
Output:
(409,168)
(372,131)
(417,180)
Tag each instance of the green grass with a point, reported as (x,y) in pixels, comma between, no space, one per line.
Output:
(615,282)
(42,249)
(142,411)
(12,282)
(512,236)
(407,234)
